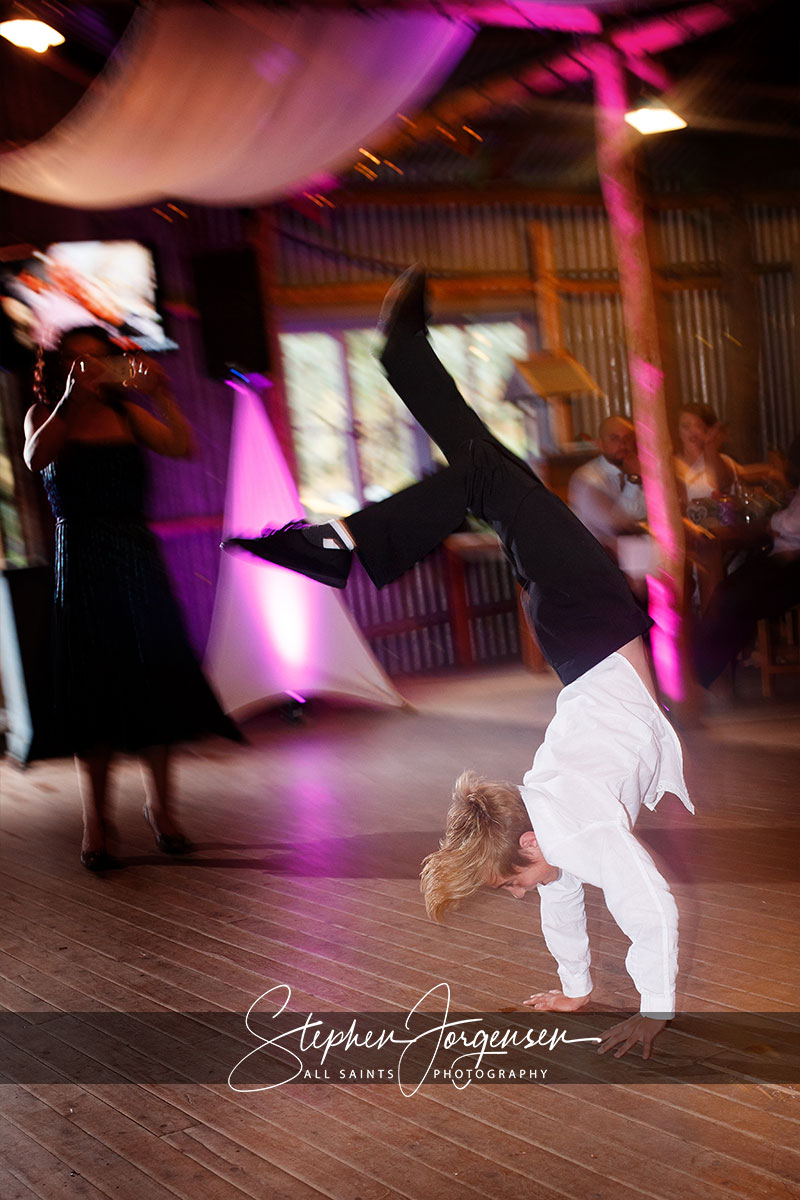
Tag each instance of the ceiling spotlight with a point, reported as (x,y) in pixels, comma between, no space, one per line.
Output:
(31,35)
(651,115)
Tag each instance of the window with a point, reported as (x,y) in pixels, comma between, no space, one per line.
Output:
(354,440)
(12,541)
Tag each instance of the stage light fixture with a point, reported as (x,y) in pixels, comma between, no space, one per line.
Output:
(651,115)
(30,34)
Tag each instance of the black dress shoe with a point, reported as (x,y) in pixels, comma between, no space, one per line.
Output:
(287,547)
(405,309)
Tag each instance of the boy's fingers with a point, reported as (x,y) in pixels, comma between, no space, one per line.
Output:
(627,1045)
(613,1038)
(542,999)
(630,1033)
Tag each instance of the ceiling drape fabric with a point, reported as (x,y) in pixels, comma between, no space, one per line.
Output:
(235,105)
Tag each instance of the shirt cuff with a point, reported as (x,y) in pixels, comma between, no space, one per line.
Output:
(658,1007)
(575,986)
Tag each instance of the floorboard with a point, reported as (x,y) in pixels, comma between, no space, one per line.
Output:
(306,874)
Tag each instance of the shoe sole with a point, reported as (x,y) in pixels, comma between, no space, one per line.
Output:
(390,318)
(311,568)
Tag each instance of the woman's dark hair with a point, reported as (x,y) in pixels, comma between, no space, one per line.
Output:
(94,331)
(50,375)
(704,411)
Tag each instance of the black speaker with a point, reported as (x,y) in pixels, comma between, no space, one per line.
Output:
(228,294)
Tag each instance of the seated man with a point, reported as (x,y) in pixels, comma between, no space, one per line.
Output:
(606,494)
(607,751)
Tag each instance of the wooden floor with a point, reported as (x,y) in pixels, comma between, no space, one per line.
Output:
(309,843)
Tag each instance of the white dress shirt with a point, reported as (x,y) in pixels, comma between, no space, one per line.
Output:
(604,499)
(608,750)
(697,480)
(786,527)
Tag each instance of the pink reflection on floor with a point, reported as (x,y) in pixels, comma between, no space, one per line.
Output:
(282,603)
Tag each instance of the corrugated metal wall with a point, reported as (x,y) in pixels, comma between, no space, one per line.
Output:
(780,411)
(581,241)
(419,598)
(594,335)
(699,324)
(409,624)
(366,242)
(689,238)
(775,233)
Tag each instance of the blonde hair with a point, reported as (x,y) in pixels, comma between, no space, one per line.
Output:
(481,842)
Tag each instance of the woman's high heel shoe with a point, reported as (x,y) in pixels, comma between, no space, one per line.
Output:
(174,843)
(97,860)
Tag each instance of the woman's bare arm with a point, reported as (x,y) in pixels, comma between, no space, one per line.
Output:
(169,433)
(45,434)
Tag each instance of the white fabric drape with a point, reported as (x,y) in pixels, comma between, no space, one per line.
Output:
(235,105)
(273,632)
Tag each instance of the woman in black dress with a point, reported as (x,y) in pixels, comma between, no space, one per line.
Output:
(126,677)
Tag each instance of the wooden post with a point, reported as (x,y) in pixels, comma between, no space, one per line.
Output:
(548,301)
(665,300)
(625,208)
(455,578)
(548,314)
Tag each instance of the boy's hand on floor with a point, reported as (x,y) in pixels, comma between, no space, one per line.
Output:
(629,1033)
(556,1001)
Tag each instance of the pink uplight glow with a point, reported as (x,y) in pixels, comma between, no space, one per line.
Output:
(662,33)
(665,638)
(275,633)
(565,68)
(262,484)
(649,71)
(637,41)
(626,216)
(650,381)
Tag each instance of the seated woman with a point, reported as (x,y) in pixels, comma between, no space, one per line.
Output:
(701,467)
(719,532)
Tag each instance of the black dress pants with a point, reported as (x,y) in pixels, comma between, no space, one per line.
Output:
(575,598)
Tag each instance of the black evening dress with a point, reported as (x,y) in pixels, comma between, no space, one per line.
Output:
(125,674)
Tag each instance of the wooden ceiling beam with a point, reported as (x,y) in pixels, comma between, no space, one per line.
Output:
(638,40)
(381,196)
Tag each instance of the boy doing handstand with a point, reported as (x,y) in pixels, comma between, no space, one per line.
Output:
(608,749)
